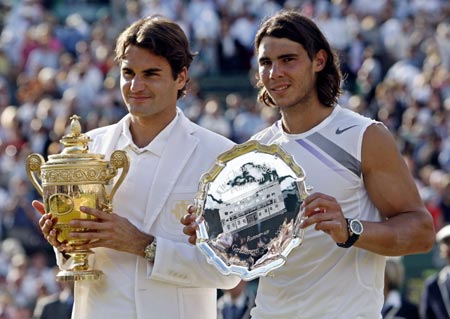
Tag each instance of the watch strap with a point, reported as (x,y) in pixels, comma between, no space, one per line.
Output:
(352,237)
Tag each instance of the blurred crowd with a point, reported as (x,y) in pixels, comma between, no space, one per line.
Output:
(395,55)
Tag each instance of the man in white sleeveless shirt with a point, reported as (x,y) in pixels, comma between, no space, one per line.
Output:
(365,205)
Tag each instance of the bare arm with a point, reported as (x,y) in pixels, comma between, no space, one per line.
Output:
(408,228)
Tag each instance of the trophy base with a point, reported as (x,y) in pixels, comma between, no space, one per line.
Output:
(76,275)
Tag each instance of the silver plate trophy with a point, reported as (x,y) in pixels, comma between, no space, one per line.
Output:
(248,208)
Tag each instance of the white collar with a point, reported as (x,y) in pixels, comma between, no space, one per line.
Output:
(157,145)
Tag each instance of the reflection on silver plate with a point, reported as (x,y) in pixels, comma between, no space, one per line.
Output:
(248,207)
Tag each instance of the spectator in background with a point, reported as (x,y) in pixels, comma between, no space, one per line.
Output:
(22,17)
(396,305)
(213,119)
(230,51)
(248,121)
(236,303)
(20,221)
(435,301)
(56,306)
(86,79)
(74,30)
(45,52)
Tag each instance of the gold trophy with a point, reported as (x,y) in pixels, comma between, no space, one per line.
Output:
(72,179)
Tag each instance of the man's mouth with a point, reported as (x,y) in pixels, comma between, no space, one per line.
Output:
(279,88)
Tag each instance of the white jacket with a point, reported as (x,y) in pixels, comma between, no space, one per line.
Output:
(181,284)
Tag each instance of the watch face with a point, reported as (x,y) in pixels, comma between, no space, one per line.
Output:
(356,227)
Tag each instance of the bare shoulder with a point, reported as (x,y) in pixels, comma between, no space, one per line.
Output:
(387,178)
(379,148)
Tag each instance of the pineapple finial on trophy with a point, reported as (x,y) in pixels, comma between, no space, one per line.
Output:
(75,142)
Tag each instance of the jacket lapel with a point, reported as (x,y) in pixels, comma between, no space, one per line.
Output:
(109,141)
(179,148)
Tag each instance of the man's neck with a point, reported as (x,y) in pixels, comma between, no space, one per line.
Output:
(144,130)
(301,119)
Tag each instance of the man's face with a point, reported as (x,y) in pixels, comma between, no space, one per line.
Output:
(147,84)
(287,72)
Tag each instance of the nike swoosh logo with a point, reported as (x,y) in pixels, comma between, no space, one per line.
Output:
(340,131)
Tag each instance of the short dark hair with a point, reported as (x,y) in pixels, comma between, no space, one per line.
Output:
(294,26)
(162,37)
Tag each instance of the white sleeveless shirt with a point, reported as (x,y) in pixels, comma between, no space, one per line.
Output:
(321,280)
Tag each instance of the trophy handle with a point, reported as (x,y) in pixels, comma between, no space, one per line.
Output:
(33,165)
(119,159)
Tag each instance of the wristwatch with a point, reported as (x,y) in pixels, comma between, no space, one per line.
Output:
(355,229)
(150,251)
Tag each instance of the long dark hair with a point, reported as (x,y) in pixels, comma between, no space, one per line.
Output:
(294,26)
(162,37)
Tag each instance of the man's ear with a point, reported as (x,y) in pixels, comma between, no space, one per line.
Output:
(320,60)
(182,78)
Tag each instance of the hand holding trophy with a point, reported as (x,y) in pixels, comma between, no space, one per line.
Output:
(72,179)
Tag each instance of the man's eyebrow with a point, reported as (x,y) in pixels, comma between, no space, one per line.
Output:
(146,71)
(283,56)
(152,70)
(288,55)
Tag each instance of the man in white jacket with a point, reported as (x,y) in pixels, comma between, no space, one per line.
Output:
(150,270)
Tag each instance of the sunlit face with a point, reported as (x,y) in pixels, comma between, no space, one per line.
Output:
(286,71)
(147,84)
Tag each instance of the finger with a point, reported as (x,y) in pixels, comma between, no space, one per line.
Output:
(313,210)
(314,218)
(185,219)
(188,219)
(96,213)
(47,226)
(90,224)
(51,238)
(43,219)
(190,229)
(192,209)
(317,210)
(38,206)
(316,197)
(192,239)
(320,205)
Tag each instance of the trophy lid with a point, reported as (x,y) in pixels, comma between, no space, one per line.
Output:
(75,146)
